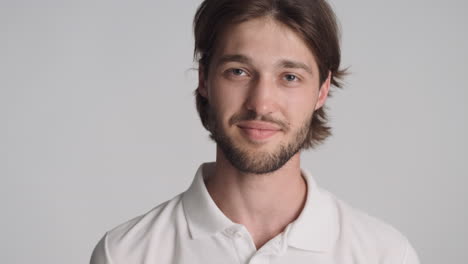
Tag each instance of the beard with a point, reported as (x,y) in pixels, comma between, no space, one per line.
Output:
(257,162)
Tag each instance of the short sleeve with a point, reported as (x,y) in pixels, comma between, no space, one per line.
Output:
(100,253)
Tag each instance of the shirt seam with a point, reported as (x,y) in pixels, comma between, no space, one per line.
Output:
(405,256)
(106,250)
(235,248)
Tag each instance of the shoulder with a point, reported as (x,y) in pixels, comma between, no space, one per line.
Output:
(138,228)
(124,242)
(371,236)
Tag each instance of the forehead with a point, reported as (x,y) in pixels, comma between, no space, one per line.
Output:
(264,40)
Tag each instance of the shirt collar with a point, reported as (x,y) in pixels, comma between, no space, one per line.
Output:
(203,215)
(316,228)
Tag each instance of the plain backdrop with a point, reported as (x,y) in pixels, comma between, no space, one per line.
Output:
(98,123)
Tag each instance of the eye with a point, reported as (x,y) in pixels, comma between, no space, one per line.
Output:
(291,77)
(237,72)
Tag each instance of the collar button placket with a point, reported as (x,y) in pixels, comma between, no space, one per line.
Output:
(259,259)
(241,244)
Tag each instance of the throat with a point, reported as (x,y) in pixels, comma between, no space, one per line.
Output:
(264,204)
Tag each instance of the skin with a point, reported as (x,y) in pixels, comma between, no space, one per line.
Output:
(248,73)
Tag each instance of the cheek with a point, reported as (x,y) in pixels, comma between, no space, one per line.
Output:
(226,101)
(300,104)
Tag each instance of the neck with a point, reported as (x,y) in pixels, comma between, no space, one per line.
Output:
(264,203)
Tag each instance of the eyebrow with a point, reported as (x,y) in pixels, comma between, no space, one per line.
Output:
(284,63)
(234,58)
(294,65)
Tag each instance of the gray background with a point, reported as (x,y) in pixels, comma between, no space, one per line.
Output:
(98,123)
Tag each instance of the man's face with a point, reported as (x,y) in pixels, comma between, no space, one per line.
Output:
(262,87)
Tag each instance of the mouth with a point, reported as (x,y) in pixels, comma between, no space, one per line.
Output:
(258,131)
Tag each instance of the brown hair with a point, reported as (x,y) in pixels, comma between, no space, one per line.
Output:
(313,20)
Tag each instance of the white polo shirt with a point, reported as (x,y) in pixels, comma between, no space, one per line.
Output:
(190,228)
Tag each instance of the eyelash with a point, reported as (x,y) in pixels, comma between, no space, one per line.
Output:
(242,72)
(233,70)
(293,75)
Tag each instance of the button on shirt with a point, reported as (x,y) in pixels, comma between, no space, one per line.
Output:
(190,228)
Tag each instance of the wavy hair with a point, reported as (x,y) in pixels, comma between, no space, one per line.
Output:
(313,20)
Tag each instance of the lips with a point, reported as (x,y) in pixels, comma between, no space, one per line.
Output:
(256,130)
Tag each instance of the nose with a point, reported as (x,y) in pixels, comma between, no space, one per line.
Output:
(261,97)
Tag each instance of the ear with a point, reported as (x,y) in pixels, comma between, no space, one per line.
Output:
(323,92)
(202,89)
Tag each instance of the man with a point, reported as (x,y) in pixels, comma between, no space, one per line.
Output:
(265,70)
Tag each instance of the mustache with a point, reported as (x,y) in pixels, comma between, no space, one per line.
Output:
(252,115)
